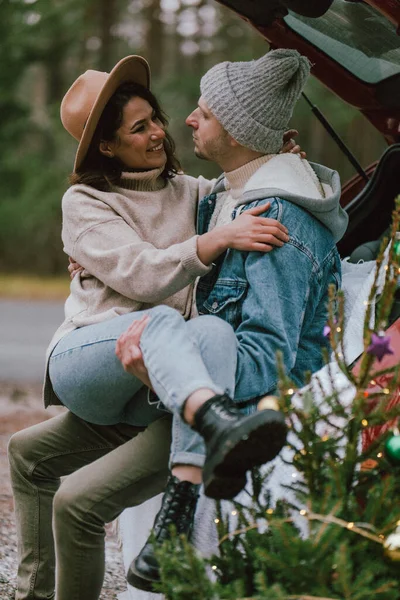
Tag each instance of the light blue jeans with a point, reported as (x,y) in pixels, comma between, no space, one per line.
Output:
(181,357)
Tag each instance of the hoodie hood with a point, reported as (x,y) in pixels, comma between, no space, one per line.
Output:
(309,185)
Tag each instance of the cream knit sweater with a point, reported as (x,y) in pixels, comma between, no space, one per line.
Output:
(138,247)
(234,184)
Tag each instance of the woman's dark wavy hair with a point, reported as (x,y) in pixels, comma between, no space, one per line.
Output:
(102,172)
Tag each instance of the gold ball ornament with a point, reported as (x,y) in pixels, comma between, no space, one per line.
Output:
(268,403)
(392,545)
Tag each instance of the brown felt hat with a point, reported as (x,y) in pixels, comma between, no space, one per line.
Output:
(87,97)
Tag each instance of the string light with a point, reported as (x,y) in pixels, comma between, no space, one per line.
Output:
(379,455)
(216,521)
(338,329)
(358,528)
(364,422)
(294,475)
(214,567)
(290,391)
(372,382)
(386,391)
(234,513)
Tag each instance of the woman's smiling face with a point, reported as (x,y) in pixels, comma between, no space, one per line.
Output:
(140,138)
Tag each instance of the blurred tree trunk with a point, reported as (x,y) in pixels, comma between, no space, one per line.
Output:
(108,11)
(53,59)
(88,20)
(198,58)
(154,39)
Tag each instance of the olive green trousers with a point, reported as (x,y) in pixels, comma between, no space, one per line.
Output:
(61,525)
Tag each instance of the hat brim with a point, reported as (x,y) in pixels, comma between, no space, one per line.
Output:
(130,69)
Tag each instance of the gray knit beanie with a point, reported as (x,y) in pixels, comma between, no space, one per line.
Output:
(254,100)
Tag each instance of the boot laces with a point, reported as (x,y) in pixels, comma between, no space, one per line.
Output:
(228,413)
(177,509)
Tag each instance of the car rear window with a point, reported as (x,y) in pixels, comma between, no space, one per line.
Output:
(355,35)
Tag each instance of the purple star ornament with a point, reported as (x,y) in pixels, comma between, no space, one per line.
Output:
(379,346)
(326,331)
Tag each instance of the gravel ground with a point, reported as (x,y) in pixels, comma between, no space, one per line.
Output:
(19,408)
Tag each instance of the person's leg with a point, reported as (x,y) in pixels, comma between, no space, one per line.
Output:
(216,342)
(173,358)
(235,443)
(90,381)
(97,494)
(38,457)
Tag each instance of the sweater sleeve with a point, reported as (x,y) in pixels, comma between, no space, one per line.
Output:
(112,251)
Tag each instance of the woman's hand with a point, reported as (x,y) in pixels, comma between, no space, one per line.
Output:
(129,352)
(250,232)
(74,268)
(289,144)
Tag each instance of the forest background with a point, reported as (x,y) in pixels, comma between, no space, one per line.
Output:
(46,44)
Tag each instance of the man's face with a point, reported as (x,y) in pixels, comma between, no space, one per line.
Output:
(211,141)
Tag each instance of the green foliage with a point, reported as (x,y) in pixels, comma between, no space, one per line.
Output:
(30,221)
(181,569)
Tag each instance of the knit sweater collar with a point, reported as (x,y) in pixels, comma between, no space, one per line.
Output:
(143,181)
(237,179)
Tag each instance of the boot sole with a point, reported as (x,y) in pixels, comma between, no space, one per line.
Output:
(256,440)
(136,580)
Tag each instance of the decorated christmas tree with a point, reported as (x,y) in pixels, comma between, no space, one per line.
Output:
(335,532)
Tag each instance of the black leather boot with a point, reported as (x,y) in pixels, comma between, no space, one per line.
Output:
(236,443)
(178,508)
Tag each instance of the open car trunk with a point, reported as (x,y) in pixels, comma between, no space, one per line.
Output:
(354,49)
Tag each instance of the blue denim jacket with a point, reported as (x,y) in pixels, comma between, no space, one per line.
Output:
(276,301)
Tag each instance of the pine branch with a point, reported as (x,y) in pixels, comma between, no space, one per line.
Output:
(344,524)
(299,597)
(302,597)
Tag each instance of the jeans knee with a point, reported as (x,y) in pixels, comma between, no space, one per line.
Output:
(66,504)
(162,316)
(224,329)
(18,451)
(74,510)
(215,329)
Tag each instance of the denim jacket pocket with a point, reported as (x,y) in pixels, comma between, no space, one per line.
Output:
(226,299)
